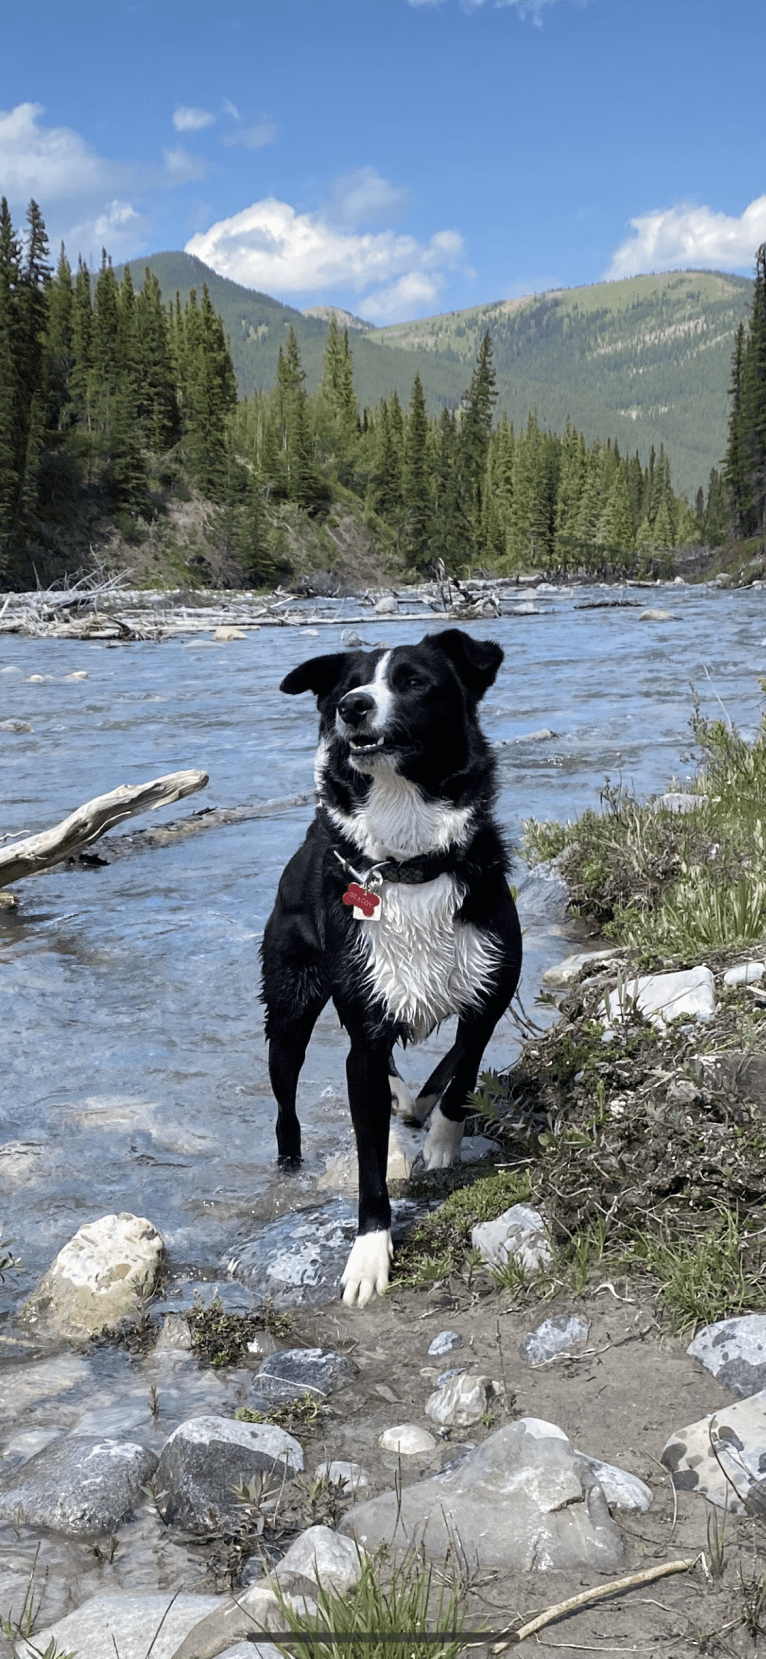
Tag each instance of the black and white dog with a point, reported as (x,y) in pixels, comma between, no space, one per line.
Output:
(397,905)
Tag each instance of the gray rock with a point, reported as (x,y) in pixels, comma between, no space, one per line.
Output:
(523,1499)
(621,1489)
(461,1401)
(408,1439)
(520,1231)
(734,1351)
(207,1458)
(655,615)
(83,1484)
(564,1331)
(660,998)
(566,972)
(676,801)
(296,1371)
(15,726)
(255,1609)
(387,606)
(745,973)
(101,1277)
(320,1554)
(341,1473)
(297,1260)
(445,1343)
(127,1625)
(723,1457)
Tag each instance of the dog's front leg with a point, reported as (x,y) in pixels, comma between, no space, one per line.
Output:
(369,1095)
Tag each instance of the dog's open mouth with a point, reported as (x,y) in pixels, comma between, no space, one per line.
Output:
(366,745)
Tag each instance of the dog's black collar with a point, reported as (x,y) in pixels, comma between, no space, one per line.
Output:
(411,872)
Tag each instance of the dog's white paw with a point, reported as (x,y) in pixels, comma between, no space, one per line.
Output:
(366,1270)
(442,1142)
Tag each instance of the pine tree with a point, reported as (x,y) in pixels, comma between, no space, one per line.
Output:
(476,431)
(10,259)
(416,491)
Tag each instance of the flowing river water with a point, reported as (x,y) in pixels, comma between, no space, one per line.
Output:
(131,1047)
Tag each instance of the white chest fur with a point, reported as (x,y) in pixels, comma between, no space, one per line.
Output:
(396,821)
(422,963)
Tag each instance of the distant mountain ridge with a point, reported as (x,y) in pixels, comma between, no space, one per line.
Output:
(644,361)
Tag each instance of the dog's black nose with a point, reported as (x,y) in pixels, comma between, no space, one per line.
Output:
(354,706)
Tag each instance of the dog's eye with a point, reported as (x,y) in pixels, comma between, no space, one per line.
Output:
(412,681)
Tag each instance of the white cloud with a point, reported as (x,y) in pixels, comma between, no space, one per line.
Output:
(363,197)
(682,237)
(271,247)
(181,165)
(45,162)
(416,292)
(254,138)
(119,229)
(189,119)
(522,7)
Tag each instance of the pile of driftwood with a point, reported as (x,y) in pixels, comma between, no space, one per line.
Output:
(106,609)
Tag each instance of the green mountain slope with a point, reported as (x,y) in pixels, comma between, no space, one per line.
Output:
(645,361)
(257,326)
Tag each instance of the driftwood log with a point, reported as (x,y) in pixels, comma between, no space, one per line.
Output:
(89,822)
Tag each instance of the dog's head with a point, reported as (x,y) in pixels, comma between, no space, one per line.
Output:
(412,708)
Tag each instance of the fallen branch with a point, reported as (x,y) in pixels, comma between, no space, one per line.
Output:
(601,1591)
(89,822)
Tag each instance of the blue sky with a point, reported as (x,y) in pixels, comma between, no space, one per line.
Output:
(395,157)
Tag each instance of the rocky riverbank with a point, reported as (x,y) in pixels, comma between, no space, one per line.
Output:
(520,1405)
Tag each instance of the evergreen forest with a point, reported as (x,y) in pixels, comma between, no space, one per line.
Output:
(117,401)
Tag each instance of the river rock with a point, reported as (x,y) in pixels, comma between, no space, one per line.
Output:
(653,614)
(731,1476)
(445,1343)
(734,1350)
(664,997)
(126,1625)
(520,1231)
(562,1333)
(621,1489)
(83,1484)
(387,606)
(15,726)
(460,1401)
(675,800)
(101,1277)
(408,1439)
(255,1609)
(341,1473)
(745,973)
(226,631)
(296,1371)
(542,894)
(324,1556)
(297,1260)
(523,1499)
(207,1458)
(566,972)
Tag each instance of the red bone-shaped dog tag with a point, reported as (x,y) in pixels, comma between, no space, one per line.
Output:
(365,904)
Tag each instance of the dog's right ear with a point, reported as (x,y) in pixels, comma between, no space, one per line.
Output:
(319,675)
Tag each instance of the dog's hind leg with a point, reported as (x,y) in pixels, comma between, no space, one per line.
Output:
(449,1086)
(402,1102)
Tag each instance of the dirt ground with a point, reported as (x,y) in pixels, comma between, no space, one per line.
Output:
(619,1401)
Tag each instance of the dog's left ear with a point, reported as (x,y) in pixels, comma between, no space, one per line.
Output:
(319,675)
(475,661)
